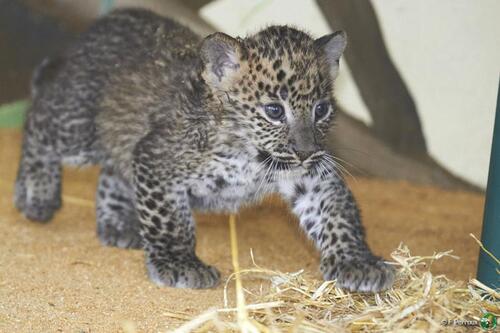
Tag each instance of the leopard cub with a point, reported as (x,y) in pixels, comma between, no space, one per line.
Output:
(181,123)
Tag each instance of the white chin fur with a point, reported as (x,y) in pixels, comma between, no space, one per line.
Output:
(290,174)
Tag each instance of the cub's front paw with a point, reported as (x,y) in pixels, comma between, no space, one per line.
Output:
(182,273)
(369,274)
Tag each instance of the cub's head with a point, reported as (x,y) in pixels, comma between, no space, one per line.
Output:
(275,87)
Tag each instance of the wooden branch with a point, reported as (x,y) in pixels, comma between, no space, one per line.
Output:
(195,5)
(395,118)
(367,155)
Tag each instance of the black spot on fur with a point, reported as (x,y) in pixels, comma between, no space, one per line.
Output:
(162,211)
(281,75)
(300,189)
(153,231)
(334,238)
(115,207)
(309,224)
(156,220)
(345,238)
(220,182)
(284,92)
(151,204)
(277,64)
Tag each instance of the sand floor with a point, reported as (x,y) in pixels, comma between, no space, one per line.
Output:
(56,277)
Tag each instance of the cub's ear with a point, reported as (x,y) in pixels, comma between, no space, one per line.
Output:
(332,46)
(221,56)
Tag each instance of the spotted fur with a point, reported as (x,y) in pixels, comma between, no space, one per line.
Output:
(179,123)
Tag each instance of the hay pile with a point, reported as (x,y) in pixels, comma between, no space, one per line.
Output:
(292,302)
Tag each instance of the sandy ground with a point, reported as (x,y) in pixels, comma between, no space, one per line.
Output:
(58,278)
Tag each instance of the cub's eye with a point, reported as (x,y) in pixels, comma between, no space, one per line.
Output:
(321,110)
(274,111)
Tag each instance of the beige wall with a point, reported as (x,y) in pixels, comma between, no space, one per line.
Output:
(447,51)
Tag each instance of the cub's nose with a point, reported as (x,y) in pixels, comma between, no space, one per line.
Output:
(303,154)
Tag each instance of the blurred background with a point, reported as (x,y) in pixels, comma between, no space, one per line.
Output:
(417,85)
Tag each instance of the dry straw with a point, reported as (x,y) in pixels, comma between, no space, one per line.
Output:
(293,302)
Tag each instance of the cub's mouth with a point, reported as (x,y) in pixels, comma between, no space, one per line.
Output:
(274,162)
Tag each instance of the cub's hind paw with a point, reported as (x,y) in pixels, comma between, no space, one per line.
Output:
(35,208)
(370,274)
(190,273)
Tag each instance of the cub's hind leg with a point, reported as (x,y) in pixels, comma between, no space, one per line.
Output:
(38,184)
(117,220)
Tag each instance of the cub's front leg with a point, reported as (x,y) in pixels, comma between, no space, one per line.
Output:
(329,215)
(168,231)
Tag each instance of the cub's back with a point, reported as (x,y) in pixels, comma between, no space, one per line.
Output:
(117,50)
(123,40)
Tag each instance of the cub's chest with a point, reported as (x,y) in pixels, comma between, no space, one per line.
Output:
(224,184)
